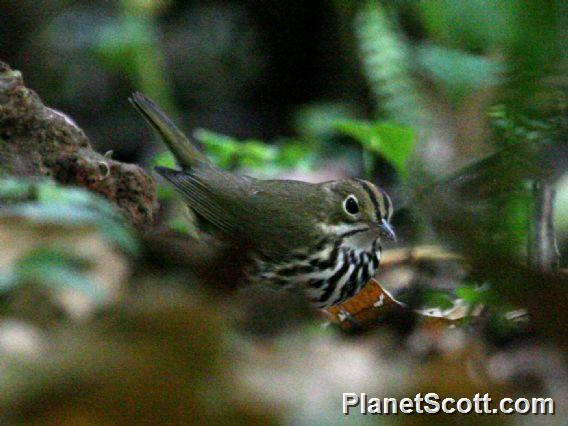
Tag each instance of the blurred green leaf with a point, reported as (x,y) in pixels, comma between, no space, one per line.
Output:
(393,142)
(473,295)
(561,213)
(164,191)
(527,34)
(317,122)
(474,25)
(458,73)
(510,224)
(511,128)
(386,59)
(130,45)
(256,154)
(164,159)
(55,213)
(45,257)
(220,148)
(7,282)
(500,325)
(468,294)
(439,299)
(292,154)
(56,269)
(14,189)
(180,225)
(49,203)
(118,234)
(230,153)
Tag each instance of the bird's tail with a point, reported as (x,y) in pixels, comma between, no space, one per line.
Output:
(187,155)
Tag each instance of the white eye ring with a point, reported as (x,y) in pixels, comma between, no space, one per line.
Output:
(351,205)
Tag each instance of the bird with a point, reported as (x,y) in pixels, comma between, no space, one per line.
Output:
(321,238)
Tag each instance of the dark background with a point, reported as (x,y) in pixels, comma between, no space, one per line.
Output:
(239,68)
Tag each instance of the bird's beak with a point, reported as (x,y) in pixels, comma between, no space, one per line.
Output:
(386,231)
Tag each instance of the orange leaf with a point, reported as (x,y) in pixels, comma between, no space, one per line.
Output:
(372,303)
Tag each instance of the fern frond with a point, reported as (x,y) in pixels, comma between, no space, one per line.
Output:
(386,64)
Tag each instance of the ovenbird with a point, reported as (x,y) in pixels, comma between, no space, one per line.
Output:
(323,238)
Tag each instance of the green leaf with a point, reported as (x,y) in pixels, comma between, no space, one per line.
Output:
(14,189)
(475,24)
(56,269)
(393,142)
(526,34)
(117,233)
(220,148)
(230,153)
(292,154)
(180,225)
(473,295)
(164,159)
(117,43)
(459,73)
(318,121)
(44,257)
(69,207)
(439,299)
(55,213)
(387,62)
(256,154)
(164,191)
(561,213)
(7,282)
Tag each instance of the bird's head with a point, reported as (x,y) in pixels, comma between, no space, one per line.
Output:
(359,211)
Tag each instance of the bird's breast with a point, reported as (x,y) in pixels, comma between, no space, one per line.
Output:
(329,273)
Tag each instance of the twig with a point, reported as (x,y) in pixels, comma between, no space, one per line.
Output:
(408,256)
(543,250)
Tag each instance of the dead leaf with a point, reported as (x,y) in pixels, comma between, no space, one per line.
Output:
(373,303)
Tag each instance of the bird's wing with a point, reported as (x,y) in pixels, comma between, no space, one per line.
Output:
(281,216)
(266,214)
(202,197)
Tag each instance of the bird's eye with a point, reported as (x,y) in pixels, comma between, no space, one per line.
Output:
(351,205)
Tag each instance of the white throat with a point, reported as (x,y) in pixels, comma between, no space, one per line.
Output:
(362,241)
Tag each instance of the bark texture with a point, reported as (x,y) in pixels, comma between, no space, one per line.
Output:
(36,140)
